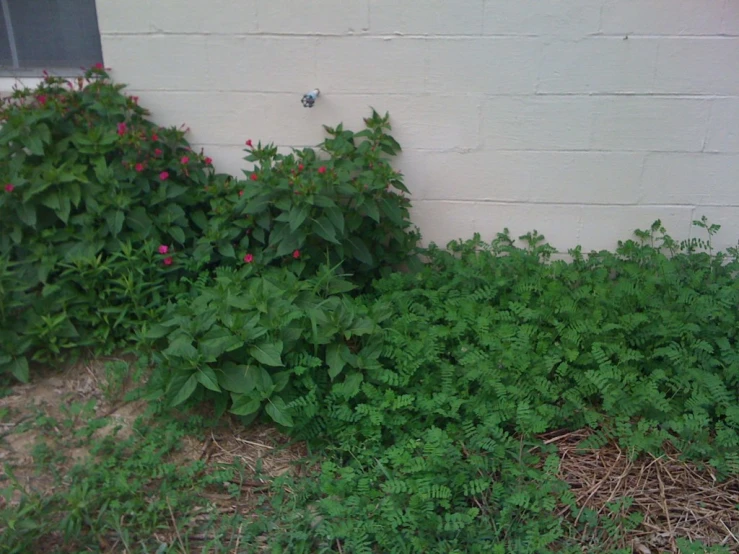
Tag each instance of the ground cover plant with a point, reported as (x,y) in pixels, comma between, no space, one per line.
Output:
(465,404)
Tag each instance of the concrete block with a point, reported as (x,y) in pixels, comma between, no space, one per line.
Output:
(723,128)
(328,17)
(638,123)
(598,65)
(561,18)
(426,17)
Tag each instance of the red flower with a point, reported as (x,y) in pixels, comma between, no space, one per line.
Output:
(184,160)
(139,167)
(163,248)
(167,260)
(122,128)
(248,258)
(99,66)
(158,152)
(9,187)
(154,136)
(301,167)
(254,177)
(241,193)
(296,254)
(248,143)
(208,161)
(322,169)
(135,99)
(164,175)
(41,99)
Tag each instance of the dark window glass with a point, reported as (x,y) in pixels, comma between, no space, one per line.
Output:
(49,34)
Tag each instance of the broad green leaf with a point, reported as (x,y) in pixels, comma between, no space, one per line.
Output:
(268,353)
(297,216)
(181,347)
(219,340)
(373,211)
(244,404)
(115,222)
(27,214)
(227,250)
(158,331)
(334,360)
(75,193)
(19,369)
(237,378)
(207,377)
(262,380)
(391,210)
(324,229)
(337,219)
(185,390)
(139,221)
(177,234)
(359,250)
(277,410)
(64,208)
(34,144)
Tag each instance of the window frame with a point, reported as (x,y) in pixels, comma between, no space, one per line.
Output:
(20,72)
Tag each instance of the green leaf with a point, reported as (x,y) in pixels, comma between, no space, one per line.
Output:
(334,360)
(207,377)
(297,216)
(372,210)
(217,341)
(115,222)
(34,144)
(75,193)
(140,222)
(337,219)
(268,353)
(237,378)
(27,214)
(181,347)
(391,210)
(185,391)
(277,410)
(19,369)
(324,229)
(262,380)
(177,234)
(359,250)
(227,250)
(158,331)
(245,405)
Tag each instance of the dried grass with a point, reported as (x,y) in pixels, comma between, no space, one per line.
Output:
(676,498)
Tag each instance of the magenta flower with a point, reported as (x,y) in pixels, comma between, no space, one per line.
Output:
(163,248)
(248,258)
(164,175)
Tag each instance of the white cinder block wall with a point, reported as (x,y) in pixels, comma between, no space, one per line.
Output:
(583,119)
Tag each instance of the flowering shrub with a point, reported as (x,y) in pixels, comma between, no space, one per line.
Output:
(104,216)
(345,206)
(91,187)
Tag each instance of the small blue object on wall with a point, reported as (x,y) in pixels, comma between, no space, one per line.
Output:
(309,98)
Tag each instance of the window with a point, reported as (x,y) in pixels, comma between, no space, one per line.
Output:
(48,34)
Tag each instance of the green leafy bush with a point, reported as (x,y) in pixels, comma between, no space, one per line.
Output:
(490,346)
(271,339)
(343,206)
(93,216)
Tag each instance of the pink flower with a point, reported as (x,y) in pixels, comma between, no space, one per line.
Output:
(163,248)
(164,175)
(158,152)
(241,193)
(184,160)
(139,167)
(322,169)
(248,143)
(135,99)
(154,136)
(296,254)
(208,161)
(41,99)
(167,260)
(99,66)
(9,187)
(254,177)
(122,128)
(248,258)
